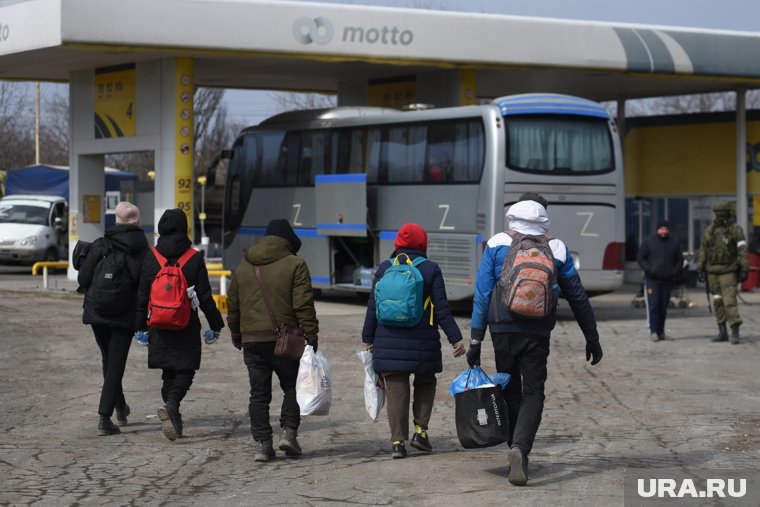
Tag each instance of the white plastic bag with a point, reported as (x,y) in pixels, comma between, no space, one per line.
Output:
(313,385)
(374,392)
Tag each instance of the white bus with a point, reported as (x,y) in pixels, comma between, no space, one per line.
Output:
(347,178)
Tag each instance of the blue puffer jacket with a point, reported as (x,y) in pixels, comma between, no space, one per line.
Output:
(529,218)
(412,349)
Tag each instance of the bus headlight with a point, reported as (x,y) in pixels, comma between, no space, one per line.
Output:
(28,241)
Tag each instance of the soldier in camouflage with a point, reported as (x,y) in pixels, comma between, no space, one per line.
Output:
(723,262)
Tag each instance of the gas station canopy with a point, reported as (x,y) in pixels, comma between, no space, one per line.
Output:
(313,47)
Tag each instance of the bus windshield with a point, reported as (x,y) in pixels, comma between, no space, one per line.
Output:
(559,145)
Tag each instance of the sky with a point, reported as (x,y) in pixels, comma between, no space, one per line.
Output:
(251,107)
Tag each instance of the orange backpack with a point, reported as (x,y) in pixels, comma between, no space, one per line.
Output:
(527,277)
(169,304)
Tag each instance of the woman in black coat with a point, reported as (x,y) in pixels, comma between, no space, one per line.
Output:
(113,329)
(398,352)
(177,353)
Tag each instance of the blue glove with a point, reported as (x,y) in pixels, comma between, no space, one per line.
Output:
(210,336)
(141,337)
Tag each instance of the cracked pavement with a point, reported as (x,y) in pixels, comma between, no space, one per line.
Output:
(684,403)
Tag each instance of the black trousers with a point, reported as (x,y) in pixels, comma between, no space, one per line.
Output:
(524,357)
(176,385)
(657,298)
(261,362)
(114,346)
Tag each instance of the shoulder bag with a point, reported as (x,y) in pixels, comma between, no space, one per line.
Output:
(291,340)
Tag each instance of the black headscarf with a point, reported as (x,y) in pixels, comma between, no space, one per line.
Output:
(172,230)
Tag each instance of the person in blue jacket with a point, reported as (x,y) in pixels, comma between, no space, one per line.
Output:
(397,352)
(521,346)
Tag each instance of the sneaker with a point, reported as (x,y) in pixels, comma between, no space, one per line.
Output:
(263,451)
(399,450)
(121,415)
(421,442)
(518,467)
(168,417)
(654,337)
(106,427)
(289,442)
(663,336)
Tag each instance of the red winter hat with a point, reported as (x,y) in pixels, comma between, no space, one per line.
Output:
(411,236)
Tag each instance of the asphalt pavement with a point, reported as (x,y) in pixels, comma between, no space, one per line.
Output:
(684,403)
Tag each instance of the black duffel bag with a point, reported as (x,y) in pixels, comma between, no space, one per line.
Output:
(481,417)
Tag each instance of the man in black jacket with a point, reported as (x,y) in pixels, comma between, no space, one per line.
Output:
(109,306)
(661,259)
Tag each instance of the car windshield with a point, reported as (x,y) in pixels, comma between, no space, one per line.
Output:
(18,213)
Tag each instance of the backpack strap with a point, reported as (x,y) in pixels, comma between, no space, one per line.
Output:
(416,262)
(185,257)
(160,258)
(180,262)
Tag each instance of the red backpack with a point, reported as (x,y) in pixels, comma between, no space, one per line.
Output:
(169,305)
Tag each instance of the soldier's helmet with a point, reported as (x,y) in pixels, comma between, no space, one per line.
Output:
(722,207)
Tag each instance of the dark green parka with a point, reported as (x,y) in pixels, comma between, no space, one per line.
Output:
(288,284)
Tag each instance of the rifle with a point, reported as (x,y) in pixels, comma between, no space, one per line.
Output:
(707,292)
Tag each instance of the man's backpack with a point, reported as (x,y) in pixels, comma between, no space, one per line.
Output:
(527,277)
(398,294)
(112,289)
(169,304)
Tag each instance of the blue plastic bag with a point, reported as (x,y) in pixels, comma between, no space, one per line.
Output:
(477,377)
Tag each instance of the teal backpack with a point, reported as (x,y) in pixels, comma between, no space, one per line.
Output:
(398,294)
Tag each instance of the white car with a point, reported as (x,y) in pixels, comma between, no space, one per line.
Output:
(33,228)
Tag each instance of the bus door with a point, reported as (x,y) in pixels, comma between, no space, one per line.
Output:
(341,211)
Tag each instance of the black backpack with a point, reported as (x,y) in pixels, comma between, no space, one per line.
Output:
(112,288)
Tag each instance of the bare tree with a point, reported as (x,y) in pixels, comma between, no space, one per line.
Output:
(54,129)
(16,126)
(287,101)
(687,104)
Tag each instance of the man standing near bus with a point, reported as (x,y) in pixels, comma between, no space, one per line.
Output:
(661,259)
(723,263)
(521,345)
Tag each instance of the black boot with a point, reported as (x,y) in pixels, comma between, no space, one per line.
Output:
(106,427)
(168,417)
(121,415)
(722,334)
(735,334)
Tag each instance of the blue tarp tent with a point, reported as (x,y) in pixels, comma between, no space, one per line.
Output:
(53,180)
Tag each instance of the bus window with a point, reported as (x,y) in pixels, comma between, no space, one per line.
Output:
(266,171)
(287,163)
(359,152)
(558,145)
(403,152)
(316,155)
(455,151)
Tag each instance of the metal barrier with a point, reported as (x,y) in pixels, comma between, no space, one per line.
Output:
(50,264)
(221,299)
